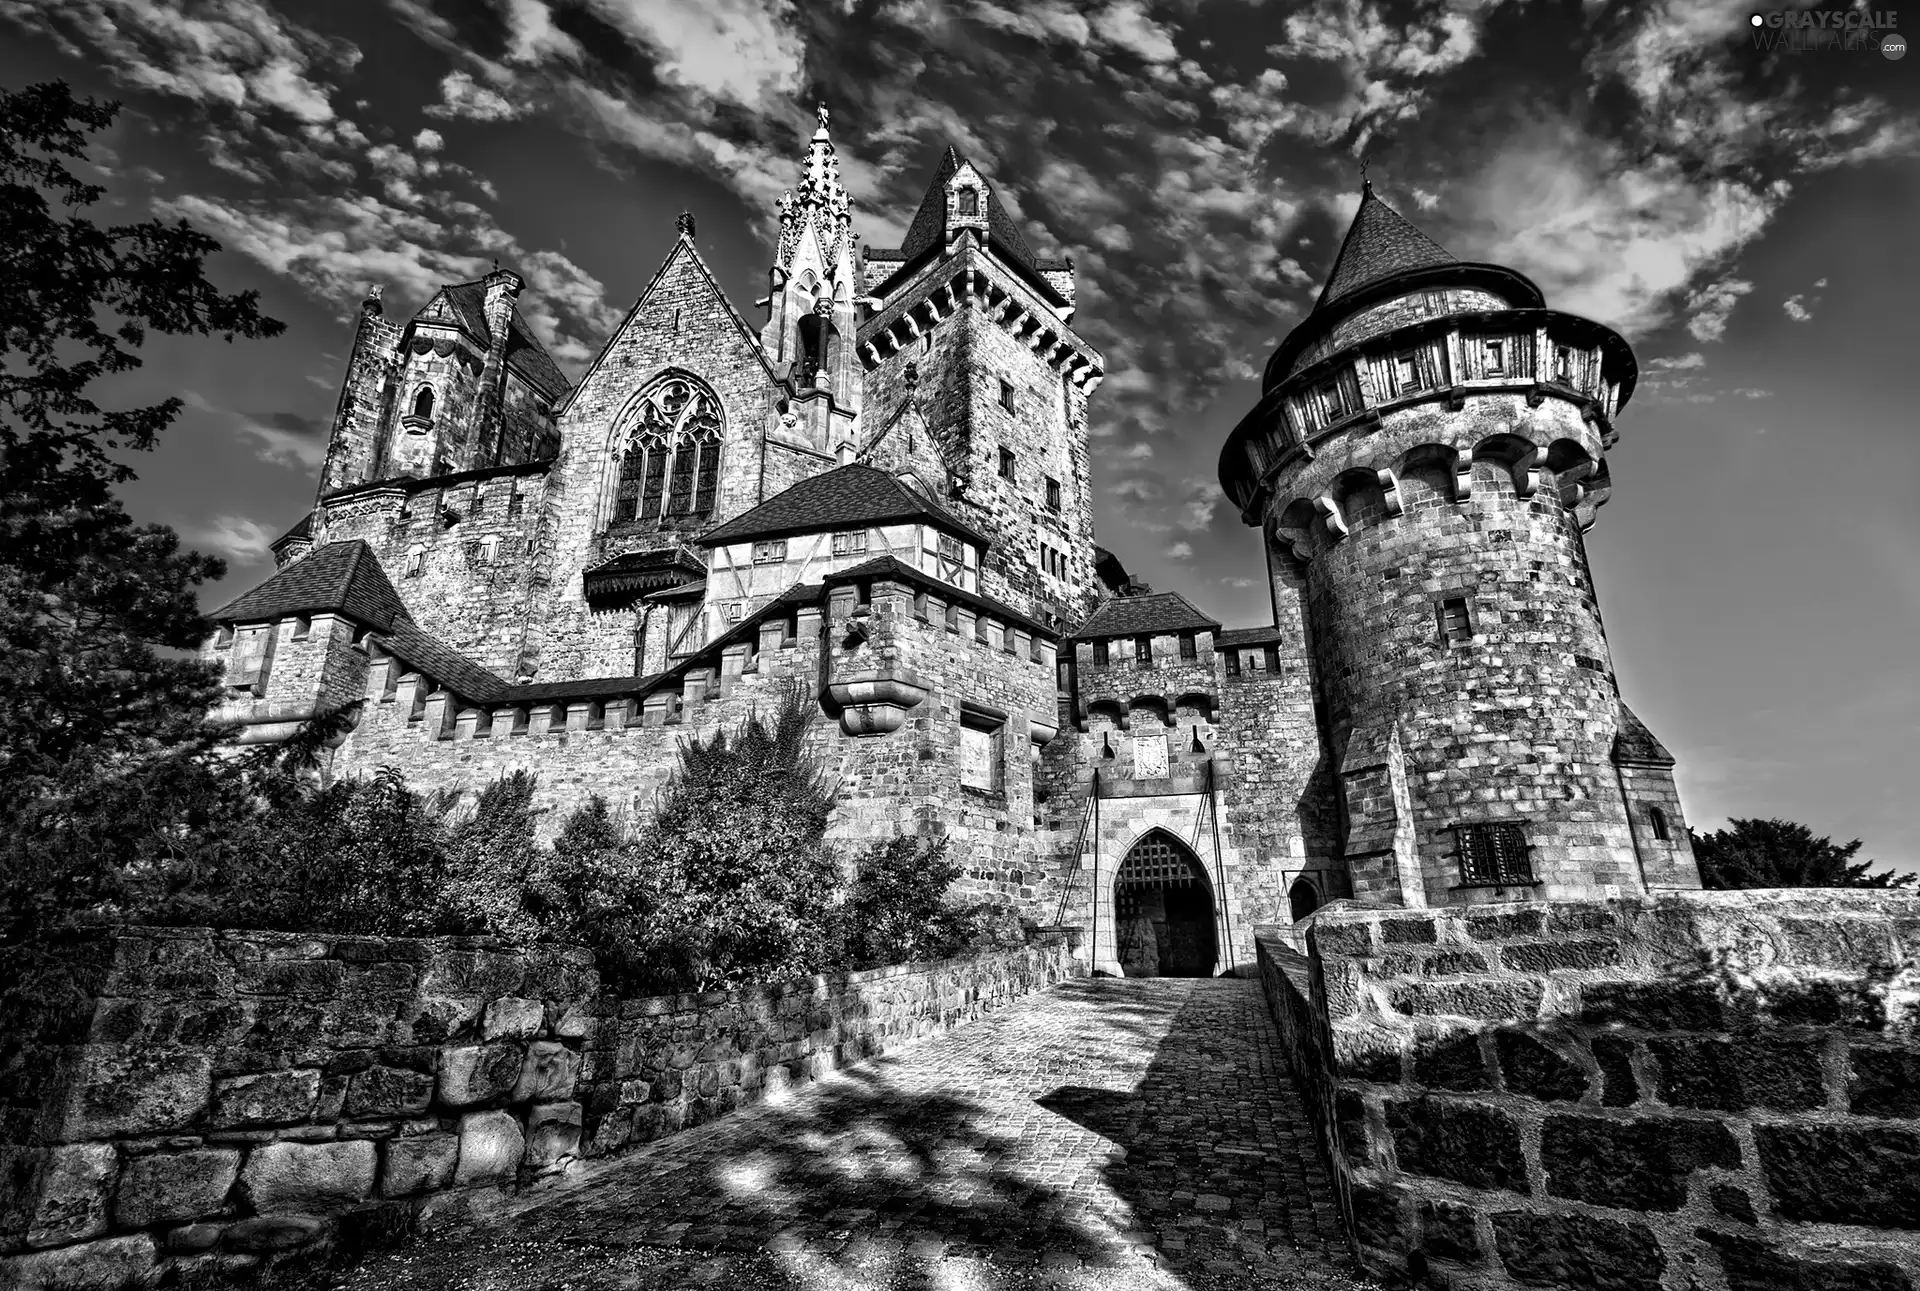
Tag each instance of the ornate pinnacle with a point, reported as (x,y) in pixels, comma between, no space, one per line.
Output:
(683,223)
(820,110)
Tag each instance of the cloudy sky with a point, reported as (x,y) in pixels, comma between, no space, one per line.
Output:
(1746,217)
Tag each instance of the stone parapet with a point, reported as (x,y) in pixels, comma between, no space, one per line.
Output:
(226,1099)
(1708,1090)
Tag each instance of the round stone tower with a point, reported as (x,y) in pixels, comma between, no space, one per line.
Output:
(1428,451)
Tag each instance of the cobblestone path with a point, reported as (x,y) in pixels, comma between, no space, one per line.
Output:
(1108,1133)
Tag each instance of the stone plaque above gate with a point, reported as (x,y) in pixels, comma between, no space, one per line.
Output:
(1150,757)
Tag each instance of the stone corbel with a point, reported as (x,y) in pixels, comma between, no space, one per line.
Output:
(1390,490)
(1330,512)
(912,325)
(1526,474)
(1462,479)
(871,353)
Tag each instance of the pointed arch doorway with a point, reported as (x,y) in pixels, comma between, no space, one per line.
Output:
(1164,911)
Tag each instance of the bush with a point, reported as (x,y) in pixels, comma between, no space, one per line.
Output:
(897,910)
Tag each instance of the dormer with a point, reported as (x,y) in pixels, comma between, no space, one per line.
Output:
(967,204)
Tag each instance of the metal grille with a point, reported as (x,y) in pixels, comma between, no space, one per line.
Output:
(1155,862)
(1493,853)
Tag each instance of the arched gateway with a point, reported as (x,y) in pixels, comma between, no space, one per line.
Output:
(1163,907)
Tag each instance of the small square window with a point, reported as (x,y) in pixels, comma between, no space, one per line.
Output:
(1053,494)
(1006,464)
(1143,652)
(1189,647)
(1662,832)
(967,202)
(982,753)
(950,548)
(1456,622)
(852,543)
(1496,358)
(416,562)
(1006,395)
(1493,853)
(734,610)
(1100,654)
(770,553)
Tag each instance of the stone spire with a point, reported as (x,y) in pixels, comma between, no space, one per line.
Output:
(820,194)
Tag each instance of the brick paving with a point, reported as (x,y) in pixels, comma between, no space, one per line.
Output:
(1109,1133)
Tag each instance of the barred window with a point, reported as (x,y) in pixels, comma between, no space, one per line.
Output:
(1493,853)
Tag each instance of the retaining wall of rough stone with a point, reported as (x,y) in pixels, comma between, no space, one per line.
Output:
(226,1099)
(1698,1091)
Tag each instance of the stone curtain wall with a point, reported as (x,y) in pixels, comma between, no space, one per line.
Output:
(1707,1090)
(227,1098)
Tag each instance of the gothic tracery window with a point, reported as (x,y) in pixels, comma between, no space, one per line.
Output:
(670,458)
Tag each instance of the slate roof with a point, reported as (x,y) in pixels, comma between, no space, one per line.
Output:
(302,530)
(1128,616)
(525,354)
(342,577)
(843,498)
(1379,245)
(1230,637)
(893,567)
(642,571)
(1634,743)
(930,221)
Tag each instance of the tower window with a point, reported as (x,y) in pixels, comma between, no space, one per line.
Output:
(1562,363)
(1006,395)
(967,202)
(1053,494)
(1658,819)
(1100,656)
(1406,371)
(1493,853)
(514,503)
(770,553)
(1189,647)
(423,402)
(1496,358)
(1456,622)
(1006,464)
(1335,399)
(851,543)
(416,562)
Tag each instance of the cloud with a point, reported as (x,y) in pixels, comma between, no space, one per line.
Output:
(1677,362)
(428,141)
(464,99)
(287,439)
(1710,306)
(1796,309)
(238,539)
(1180,551)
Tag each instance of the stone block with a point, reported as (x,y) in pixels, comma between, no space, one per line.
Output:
(1450,1062)
(1618,1088)
(549,1074)
(313,1178)
(1684,1004)
(1843,1174)
(1886,1082)
(1447,963)
(1732,1202)
(1378,1218)
(1821,1002)
(272,1234)
(269,1098)
(491,1147)
(1752,1265)
(389,1091)
(172,1187)
(76,1183)
(476,1075)
(1350,1123)
(1465,1142)
(284,1033)
(1733,1075)
(1578,1251)
(1417,931)
(1633,1165)
(1348,940)
(110,1262)
(439,1019)
(1560,956)
(513,1018)
(190,1239)
(129,1092)
(1450,1231)
(1370,1054)
(423,1163)
(1509,923)
(553,1133)
(1836,942)
(1491,1001)
(1531,1068)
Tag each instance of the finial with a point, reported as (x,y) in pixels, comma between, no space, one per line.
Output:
(820,110)
(1366,185)
(683,223)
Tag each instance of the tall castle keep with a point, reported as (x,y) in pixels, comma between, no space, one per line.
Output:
(883,493)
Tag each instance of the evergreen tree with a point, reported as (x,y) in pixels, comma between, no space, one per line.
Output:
(103,739)
(1781,854)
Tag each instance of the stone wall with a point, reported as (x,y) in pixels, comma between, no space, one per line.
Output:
(1702,1091)
(229,1098)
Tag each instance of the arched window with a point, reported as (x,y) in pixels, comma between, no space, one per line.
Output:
(967,202)
(670,458)
(1661,832)
(423,402)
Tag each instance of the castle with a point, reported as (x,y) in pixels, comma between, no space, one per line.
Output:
(884,493)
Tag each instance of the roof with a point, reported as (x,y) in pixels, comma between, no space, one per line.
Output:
(1634,743)
(339,577)
(525,354)
(1230,637)
(642,571)
(930,221)
(1380,244)
(1127,616)
(302,530)
(893,567)
(842,498)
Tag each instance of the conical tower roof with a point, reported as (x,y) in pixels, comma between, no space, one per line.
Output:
(1380,244)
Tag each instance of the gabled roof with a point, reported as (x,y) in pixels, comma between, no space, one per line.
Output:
(637,572)
(1380,244)
(843,498)
(525,354)
(340,577)
(682,245)
(1128,616)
